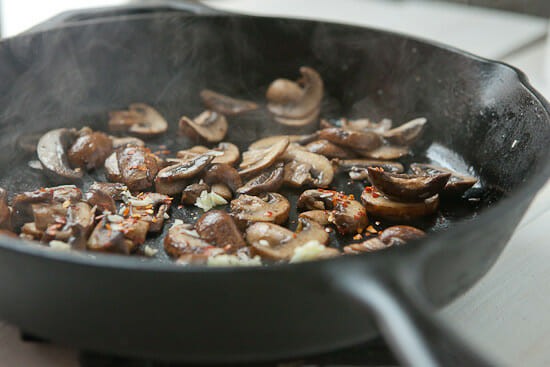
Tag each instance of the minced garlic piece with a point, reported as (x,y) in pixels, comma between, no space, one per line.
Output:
(308,251)
(207,201)
(59,245)
(149,251)
(233,260)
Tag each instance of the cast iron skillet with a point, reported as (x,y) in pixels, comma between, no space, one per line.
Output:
(482,114)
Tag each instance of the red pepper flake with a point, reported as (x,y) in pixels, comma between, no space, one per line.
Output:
(294,235)
(375,194)
(368,189)
(108,226)
(268,214)
(357,237)
(126,211)
(371,229)
(351,197)
(227,247)
(180,206)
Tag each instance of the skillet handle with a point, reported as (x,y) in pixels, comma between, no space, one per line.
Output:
(192,7)
(409,326)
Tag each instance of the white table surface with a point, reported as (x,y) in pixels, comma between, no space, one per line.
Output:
(506,314)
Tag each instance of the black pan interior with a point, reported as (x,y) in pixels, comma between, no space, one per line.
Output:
(74,76)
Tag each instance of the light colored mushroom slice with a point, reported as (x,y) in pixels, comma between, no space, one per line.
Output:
(297,174)
(90,150)
(363,124)
(209,126)
(126,140)
(172,180)
(355,165)
(256,160)
(182,241)
(52,153)
(225,174)
(407,133)
(218,228)
(224,104)
(328,149)
(272,140)
(405,187)
(222,190)
(457,184)
(268,207)
(292,104)
(140,119)
(269,180)
(274,242)
(225,153)
(116,190)
(357,140)
(321,171)
(369,245)
(112,171)
(320,216)
(385,152)
(401,234)
(382,207)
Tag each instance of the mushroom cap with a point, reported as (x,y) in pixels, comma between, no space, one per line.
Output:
(90,150)
(385,152)
(382,207)
(225,174)
(140,119)
(401,234)
(123,141)
(320,171)
(218,228)
(369,245)
(52,153)
(224,153)
(269,141)
(328,149)
(180,240)
(268,207)
(224,104)
(362,124)
(191,192)
(407,133)
(457,184)
(102,201)
(209,126)
(172,180)
(137,166)
(351,164)
(256,160)
(320,216)
(270,180)
(405,187)
(357,140)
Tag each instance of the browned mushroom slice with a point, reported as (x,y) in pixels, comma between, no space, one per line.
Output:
(226,105)
(407,133)
(347,214)
(457,183)
(349,165)
(328,149)
(223,173)
(218,228)
(46,214)
(181,241)
(149,207)
(105,239)
(139,119)
(357,140)
(190,194)
(5,210)
(52,153)
(173,179)
(370,245)
(274,242)
(137,168)
(382,207)
(292,104)
(323,217)
(399,235)
(102,201)
(222,190)
(268,207)
(271,140)
(256,160)
(115,190)
(226,153)
(269,180)
(405,187)
(90,150)
(209,126)
(126,140)
(385,152)
(320,171)
(363,124)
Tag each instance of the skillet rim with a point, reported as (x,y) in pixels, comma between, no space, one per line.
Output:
(433,243)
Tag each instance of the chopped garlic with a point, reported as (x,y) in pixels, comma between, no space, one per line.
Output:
(207,201)
(191,232)
(59,245)
(177,222)
(307,252)
(166,216)
(263,243)
(233,260)
(114,218)
(149,251)
(140,202)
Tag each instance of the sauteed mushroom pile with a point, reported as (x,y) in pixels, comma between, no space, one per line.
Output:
(244,210)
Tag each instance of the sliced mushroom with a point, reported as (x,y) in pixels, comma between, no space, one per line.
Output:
(269,180)
(348,165)
(104,239)
(363,124)
(115,190)
(5,211)
(181,241)
(226,153)
(102,201)
(328,149)
(173,179)
(272,140)
(150,207)
(126,140)
(323,217)
(136,167)
(320,172)
(407,133)
(52,153)
(457,183)
(347,214)
(90,150)
(226,105)
(256,160)
(209,126)
(399,235)
(385,152)
(370,245)
(223,173)
(274,242)
(222,190)
(382,207)
(112,170)
(297,174)
(218,228)
(268,207)
(405,187)
(139,119)
(292,104)
(190,194)
(357,140)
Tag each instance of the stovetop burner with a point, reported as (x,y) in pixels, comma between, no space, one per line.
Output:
(372,353)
